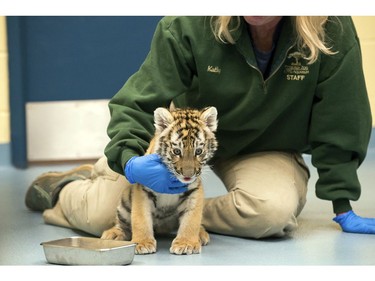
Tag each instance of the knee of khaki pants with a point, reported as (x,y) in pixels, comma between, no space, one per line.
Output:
(263,217)
(266,192)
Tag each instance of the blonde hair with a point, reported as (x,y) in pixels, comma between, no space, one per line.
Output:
(310,31)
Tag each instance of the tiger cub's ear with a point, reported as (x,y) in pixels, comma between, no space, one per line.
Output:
(162,118)
(209,117)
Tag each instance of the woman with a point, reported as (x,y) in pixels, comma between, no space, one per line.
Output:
(282,86)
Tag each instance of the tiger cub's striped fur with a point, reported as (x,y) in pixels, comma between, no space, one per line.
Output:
(185,140)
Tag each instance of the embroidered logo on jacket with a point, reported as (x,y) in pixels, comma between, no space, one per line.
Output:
(214,69)
(295,71)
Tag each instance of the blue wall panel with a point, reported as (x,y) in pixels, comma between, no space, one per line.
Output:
(70,58)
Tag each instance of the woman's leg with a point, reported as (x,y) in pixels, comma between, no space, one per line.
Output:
(266,192)
(89,204)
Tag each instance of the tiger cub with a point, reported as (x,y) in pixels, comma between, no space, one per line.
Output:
(185,140)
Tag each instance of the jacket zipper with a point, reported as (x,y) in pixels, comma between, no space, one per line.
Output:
(273,73)
(282,62)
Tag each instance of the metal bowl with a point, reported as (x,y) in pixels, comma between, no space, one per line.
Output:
(89,251)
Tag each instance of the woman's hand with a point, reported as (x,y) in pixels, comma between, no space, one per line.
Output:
(150,171)
(352,223)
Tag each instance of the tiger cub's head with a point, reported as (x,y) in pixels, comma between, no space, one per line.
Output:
(185,140)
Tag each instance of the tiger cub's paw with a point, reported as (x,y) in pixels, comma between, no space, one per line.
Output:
(184,246)
(146,246)
(204,237)
(114,233)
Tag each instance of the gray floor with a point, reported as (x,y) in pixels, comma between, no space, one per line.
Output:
(318,241)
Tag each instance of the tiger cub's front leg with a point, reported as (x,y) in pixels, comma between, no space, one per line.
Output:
(191,235)
(141,222)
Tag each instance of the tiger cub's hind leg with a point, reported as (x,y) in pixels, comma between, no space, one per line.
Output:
(122,229)
(115,233)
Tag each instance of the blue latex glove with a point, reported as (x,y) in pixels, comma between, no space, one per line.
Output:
(150,171)
(352,223)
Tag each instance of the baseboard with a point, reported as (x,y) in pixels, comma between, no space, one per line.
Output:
(5,154)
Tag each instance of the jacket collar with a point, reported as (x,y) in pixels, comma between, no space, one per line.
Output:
(287,39)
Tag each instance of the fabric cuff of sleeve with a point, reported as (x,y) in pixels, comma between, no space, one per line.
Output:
(125,157)
(341,206)
(128,171)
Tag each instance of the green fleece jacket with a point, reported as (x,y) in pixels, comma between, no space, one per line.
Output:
(320,108)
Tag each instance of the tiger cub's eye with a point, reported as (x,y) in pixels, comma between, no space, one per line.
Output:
(177,151)
(198,151)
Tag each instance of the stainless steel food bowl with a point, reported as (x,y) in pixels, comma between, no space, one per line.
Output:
(88,251)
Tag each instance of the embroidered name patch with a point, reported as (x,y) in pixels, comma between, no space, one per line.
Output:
(213,69)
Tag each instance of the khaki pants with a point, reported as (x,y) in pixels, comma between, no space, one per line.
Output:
(266,192)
